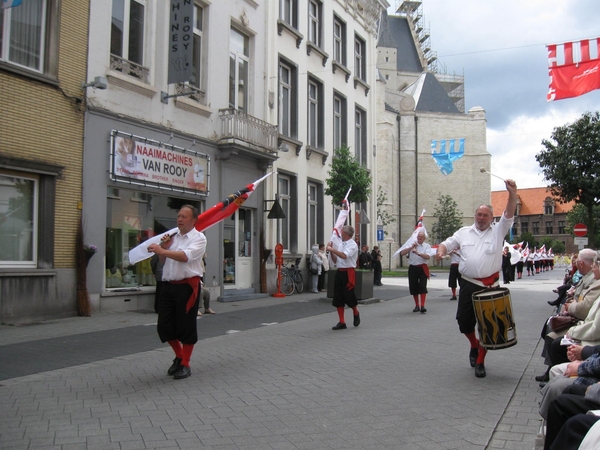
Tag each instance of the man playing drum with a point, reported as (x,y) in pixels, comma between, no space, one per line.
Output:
(481,259)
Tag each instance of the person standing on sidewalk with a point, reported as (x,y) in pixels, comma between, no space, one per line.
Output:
(481,260)
(418,270)
(345,258)
(376,264)
(454,274)
(178,306)
(321,286)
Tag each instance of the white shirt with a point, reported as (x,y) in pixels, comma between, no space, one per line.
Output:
(350,249)
(481,251)
(416,260)
(193,243)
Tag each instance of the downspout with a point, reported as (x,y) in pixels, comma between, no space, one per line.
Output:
(398,122)
(417,213)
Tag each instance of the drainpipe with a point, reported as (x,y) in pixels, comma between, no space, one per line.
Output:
(398,122)
(416,168)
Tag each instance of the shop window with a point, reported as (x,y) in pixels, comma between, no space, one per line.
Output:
(132,218)
(18,220)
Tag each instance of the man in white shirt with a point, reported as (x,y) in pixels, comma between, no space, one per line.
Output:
(178,304)
(481,247)
(345,257)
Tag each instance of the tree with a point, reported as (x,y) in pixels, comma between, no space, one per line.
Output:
(346,171)
(449,219)
(571,164)
(579,215)
(386,218)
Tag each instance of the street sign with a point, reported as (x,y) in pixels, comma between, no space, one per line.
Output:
(580,230)
(380,235)
(580,241)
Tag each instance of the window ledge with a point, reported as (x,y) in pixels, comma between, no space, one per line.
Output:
(26,272)
(192,106)
(283,25)
(336,65)
(310,46)
(363,83)
(288,140)
(310,149)
(21,71)
(131,84)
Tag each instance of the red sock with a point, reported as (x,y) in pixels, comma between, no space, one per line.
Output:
(481,356)
(416,297)
(340,311)
(453,292)
(355,310)
(472,339)
(423,296)
(187,354)
(176,346)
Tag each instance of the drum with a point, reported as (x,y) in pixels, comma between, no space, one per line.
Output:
(494,318)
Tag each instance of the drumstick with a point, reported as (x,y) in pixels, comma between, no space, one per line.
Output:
(483,170)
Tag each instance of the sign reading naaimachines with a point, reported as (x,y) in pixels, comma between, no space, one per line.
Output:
(142,161)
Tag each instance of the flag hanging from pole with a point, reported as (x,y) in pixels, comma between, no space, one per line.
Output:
(208,218)
(419,227)
(574,68)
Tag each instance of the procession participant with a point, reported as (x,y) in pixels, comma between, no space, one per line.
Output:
(418,270)
(481,247)
(178,306)
(520,263)
(345,258)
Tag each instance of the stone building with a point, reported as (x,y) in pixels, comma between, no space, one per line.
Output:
(539,213)
(427,146)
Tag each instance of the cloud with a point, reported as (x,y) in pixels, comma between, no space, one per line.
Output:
(500,48)
(514,147)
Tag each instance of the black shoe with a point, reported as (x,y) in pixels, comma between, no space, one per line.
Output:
(473,354)
(339,326)
(555,302)
(543,384)
(417,309)
(356,320)
(454,297)
(183,372)
(175,366)
(479,370)
(423,310)
(545,377)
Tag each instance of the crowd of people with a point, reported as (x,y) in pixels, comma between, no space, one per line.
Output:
(570,387)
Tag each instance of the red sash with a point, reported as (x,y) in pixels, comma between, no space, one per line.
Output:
(491,280)
(194,282)
(425,268)
(351,276)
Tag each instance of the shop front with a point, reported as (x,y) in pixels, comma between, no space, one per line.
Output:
(136,178)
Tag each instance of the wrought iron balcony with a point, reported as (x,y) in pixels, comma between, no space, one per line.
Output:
(239,126)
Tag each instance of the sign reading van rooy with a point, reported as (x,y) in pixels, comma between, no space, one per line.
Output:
(141,161)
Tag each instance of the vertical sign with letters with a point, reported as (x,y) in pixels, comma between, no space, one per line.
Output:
(181,41)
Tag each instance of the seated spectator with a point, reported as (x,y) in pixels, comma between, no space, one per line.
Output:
(583,369)
(580,432)
(578,307)
(576,400)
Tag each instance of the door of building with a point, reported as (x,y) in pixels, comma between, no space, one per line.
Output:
(238,267)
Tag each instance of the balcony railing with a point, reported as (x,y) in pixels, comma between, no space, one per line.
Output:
(129,68)
(239,125)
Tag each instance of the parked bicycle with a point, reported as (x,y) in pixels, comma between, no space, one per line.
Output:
(291,279)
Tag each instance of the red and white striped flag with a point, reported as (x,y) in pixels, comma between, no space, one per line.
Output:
(574,68)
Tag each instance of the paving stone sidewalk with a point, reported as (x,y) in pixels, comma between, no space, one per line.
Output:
(400,380)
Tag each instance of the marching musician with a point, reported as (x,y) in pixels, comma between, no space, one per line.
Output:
(481,259)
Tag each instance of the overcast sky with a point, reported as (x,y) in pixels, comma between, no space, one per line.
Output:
(500,48)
